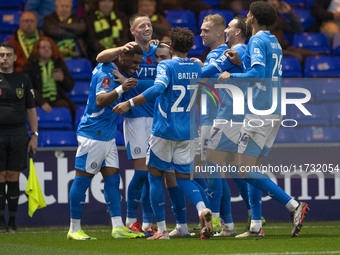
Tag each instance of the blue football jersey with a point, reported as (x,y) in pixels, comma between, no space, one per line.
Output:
(225,111)
(174,117)
(100,123)
(211,108)
(264,49)
(146,72)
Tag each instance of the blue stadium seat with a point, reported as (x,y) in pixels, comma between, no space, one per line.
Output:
(198,48)
(322,66)
(15,4)
(80,68)
(182,19)
(335,113)
(244,13)
(80,92)
(9,20)
(227,15)
(79,114)
(314,41)
(5,37)
(291,67)
(57,138)
(309,3)
(329,91)
(305,17)
(213,3)
(336,45)
(310,84)
(120,138)
(286,135)
(320,115)
(319,134)
(59,118)
(296,3)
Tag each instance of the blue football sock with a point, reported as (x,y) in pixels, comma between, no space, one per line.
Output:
(243,189)
(199,178)
(157,198)
(263,183)
(112,194)
(134,192)
(77,195)
(178,204)
(225,213)
(214,189)
(203,193)
(255,198)
(146,205)
(190,190)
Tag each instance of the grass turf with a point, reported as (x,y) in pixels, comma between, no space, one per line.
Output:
(315,238)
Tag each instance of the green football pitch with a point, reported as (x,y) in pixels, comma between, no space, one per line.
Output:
(315,238)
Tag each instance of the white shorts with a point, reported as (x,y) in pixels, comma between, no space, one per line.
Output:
(93,155)
(137,132)
(224,136)
(204,140)
(257,138)
(164,154)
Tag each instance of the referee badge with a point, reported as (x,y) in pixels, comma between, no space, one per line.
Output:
(20,92)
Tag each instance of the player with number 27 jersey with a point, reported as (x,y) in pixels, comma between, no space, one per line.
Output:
(174,115)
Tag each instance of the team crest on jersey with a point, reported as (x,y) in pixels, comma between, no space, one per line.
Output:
(257,50)
(137,150)
(93,165)
(105,82)
(20,92)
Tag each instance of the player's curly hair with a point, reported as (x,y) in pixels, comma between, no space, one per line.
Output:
(136,50)
(264,13)
(182,39)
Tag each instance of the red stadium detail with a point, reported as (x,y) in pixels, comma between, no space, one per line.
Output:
(148,60)
(105,82)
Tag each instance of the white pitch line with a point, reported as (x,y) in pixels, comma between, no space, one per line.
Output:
(287,253)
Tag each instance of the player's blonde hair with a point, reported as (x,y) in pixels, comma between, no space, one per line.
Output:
(217,20)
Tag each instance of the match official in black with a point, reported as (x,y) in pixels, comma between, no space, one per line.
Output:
(16,102)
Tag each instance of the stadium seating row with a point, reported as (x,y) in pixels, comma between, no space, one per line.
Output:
(67,138)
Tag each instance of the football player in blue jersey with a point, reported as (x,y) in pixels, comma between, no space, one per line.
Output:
(97,151)
(138,121)
(262,61)
(222,141)
(173,130)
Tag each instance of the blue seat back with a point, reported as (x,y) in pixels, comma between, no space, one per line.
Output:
(58,138)
(320,115)
(80,68)
(319,134)
(329,91)
(80,92)
(313,41)
(9,20)
(291,67)
(286,135)
(198,48)
(305,17)
(322,66)
(59,118)
(227,15)
(182,19)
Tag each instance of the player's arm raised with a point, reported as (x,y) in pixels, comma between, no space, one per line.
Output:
(110,54)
